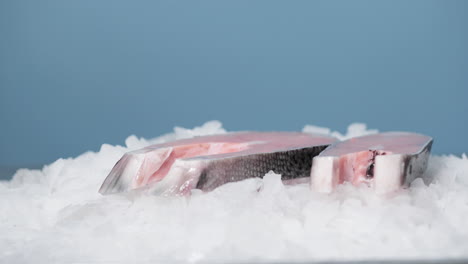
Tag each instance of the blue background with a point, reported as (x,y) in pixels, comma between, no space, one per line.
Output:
(77,74)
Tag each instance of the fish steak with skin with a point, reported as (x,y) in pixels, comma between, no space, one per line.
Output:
(209,161)
(385,161)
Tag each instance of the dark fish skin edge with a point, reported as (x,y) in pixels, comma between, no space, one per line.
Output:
(111,183)
(291,164)
(415,165)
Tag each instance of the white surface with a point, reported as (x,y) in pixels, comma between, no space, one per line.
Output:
(324,174)
(56,215)
(385,169)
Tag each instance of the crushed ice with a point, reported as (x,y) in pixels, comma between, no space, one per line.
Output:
(56,215)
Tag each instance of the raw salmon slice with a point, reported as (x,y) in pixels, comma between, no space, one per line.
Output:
(386,161)
(210,161)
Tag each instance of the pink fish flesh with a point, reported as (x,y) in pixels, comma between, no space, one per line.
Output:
(210,161)
(385,161)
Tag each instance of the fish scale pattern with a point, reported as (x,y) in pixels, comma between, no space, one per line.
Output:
(290,164)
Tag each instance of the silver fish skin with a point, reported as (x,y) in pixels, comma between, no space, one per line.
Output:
(386,162)
(209,161)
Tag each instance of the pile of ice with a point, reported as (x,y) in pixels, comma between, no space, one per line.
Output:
(57,215)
